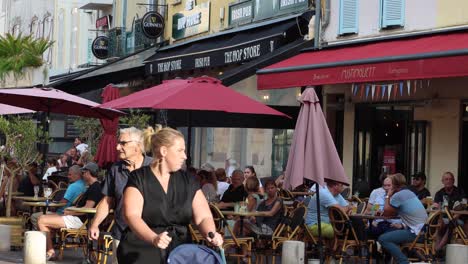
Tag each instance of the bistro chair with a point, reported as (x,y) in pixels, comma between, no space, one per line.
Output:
(104,246)
(458,232)
(74,238)
(285,194)
(232,244)
(345,236)
(424,243)
(289,229)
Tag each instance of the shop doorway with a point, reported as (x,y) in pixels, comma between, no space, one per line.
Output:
(463,164)
(386,140)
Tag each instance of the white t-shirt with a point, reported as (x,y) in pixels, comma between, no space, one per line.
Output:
(49,172)
(82,148)
(222,187)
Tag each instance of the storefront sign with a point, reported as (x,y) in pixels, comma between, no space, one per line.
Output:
(100,47)
(152,25)
(241,53)
(285,4)
(240,13)
(191,22)
(275,8)
(104,22)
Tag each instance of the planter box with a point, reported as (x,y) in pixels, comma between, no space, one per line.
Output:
(32,77)
(17,230)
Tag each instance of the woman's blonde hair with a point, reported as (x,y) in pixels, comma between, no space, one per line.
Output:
(154,139)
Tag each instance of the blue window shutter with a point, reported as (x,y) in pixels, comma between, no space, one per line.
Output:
(348,17)
(393,13)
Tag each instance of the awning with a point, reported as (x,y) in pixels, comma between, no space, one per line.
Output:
(233,48)
(435,56)
(120,70)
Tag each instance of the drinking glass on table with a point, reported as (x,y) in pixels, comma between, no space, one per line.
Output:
(36,191)
(47,192)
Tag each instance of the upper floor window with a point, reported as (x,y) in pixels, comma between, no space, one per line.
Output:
(392,13)
(348,23)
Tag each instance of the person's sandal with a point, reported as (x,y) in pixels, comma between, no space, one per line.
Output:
(50,256)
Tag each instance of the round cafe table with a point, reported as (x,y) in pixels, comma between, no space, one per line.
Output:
(30,198)
(44,205)
(242,215)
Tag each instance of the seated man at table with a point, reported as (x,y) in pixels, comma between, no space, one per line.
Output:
(404,203)
(73,220)
(418,183)
(452,194)
(329,195)
(77,186)
(235,193)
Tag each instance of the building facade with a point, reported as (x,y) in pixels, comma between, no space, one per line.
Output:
(392,119)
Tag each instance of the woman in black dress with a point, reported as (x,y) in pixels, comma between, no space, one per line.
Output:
(159,203)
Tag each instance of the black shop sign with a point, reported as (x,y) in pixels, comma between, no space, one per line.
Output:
(152,24)
(100,47)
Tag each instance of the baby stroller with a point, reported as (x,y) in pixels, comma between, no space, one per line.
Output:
(194,254)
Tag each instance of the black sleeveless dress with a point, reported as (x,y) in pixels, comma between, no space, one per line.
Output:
(170,212)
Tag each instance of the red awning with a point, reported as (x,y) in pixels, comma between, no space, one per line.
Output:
(434,56)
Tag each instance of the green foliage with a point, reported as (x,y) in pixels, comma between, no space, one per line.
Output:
(136,118)
(21,138)
(91,130)
(17,53)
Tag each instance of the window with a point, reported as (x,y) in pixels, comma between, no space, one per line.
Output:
(348,23)
(392,13)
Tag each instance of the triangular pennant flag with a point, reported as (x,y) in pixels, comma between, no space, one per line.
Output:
(361,92)
(401,88)
(409,89)
(395,91)
(373,91)
(367,90)
(354,89)
(377,92)
(383,91)
(389,91)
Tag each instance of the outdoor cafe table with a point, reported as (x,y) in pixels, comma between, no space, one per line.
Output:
(89,214)
(44,205)
(302,193)
(242,215)
(30,198)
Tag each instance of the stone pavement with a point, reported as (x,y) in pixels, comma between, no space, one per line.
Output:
(69,256)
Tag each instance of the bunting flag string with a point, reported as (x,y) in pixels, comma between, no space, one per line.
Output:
(393,90)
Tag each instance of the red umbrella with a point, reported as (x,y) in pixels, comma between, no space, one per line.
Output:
(312,154)
(203,93)
(12,110)
(51,100)
(106,153)
(197,94)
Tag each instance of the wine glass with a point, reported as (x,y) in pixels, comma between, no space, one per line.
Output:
(47,192)
(36,191)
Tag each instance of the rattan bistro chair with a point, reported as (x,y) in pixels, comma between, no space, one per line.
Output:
(345,236)
(424,243)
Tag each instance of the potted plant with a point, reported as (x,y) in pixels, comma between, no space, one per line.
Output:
(21,62)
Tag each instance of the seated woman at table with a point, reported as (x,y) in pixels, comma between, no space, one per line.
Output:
(91,198)
(377,197)
(209,185)
(273,208)
(253,199)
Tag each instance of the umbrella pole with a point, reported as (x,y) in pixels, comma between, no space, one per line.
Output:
(189,140)
(319,224)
